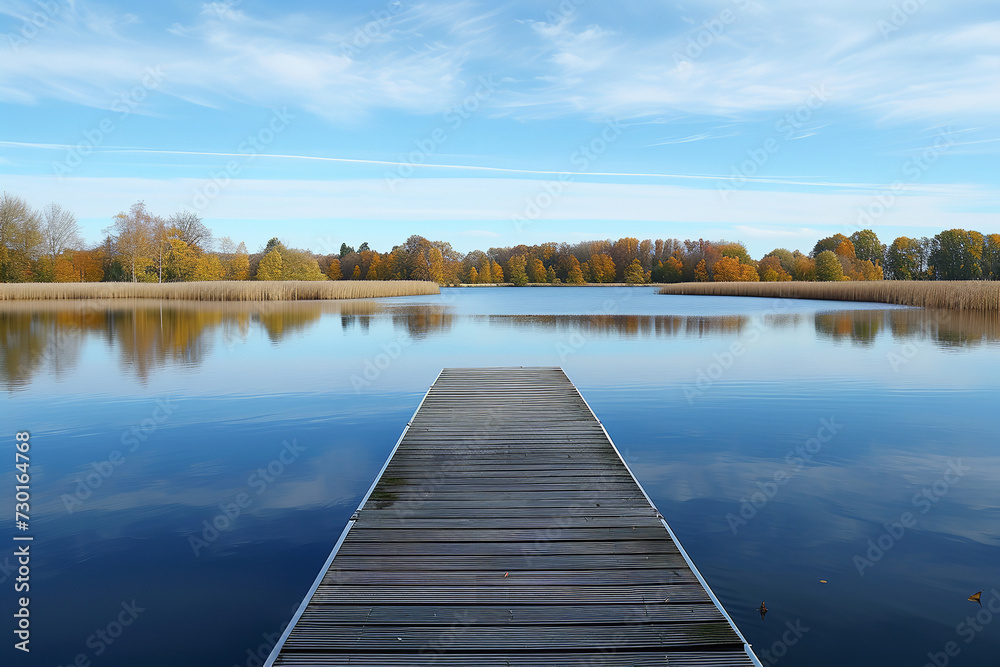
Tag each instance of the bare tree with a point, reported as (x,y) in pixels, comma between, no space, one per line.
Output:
(226,246)
(191,229)
(61,230)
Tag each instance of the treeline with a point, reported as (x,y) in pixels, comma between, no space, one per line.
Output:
(140,246)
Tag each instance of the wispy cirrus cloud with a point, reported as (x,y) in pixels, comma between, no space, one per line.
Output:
(421,57)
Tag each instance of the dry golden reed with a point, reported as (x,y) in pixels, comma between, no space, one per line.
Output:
(952,294)
(231,290)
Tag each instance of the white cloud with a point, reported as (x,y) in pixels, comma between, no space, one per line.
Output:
(416,60)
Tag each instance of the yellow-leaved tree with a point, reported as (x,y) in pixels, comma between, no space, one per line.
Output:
(270,266)
(727,270)
(634,275)
(209,267)
(334,272)
(700,272)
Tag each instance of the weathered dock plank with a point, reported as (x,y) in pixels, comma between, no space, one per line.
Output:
(505,529)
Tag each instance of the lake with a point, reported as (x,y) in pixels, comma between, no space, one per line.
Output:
(837,461)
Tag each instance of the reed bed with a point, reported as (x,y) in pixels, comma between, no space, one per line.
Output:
(219,291)
(955,295)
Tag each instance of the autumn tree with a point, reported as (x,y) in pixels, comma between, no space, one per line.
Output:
(700,272)
(991,257)
(136,241)
(299,265)
(865,270)
(270,266)
(726,269)
(634,275)
(376,270)
(356,275)
(646,256)
(333,272)
(829,243)
(179,261)
(486,270)
(64,271)
(602,267)
(957,254)
(748,273)
(770,270)
(803,267)
(903,259)
(623,252)
(828,267)
(89,265)
(868,247)
(735,250)
(497,272)
(238,267)
(295,264)
(575,274)
(516,272)
(21,239)
(669,271)
(436,266)
(845,249)
(785,257)
(536,270)
(473,276)
(209,267)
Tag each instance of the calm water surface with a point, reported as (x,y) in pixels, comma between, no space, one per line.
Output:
(788,443)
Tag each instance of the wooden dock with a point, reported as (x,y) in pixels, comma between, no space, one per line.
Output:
(505,529)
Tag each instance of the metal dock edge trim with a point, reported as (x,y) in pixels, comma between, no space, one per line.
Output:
(276,651)
(708,589)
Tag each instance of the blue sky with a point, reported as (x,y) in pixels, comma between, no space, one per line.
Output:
(492,124)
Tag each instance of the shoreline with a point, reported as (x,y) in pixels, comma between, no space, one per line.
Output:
(223,290)
(953,295)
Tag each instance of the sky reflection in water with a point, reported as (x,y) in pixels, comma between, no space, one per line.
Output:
(708,399)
